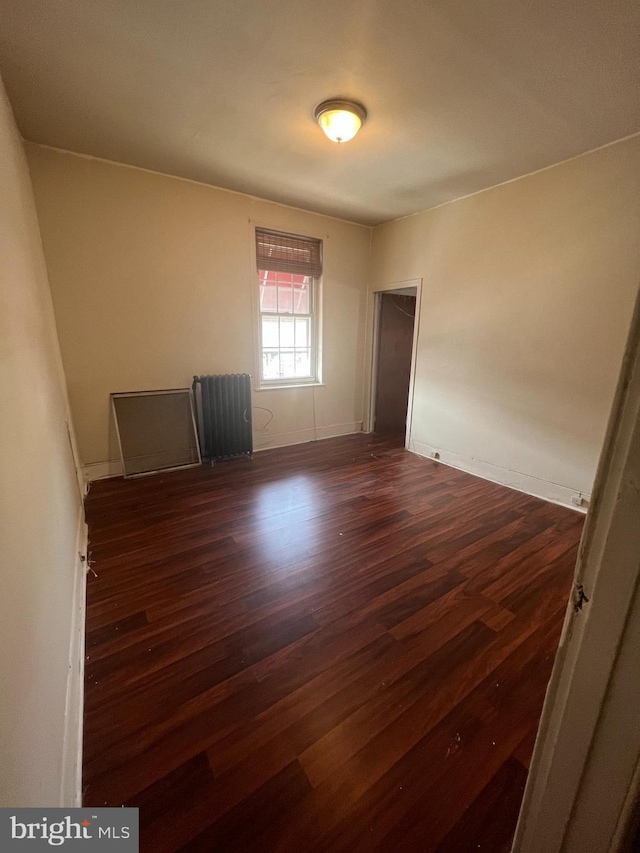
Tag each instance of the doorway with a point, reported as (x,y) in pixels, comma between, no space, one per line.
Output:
(395,328)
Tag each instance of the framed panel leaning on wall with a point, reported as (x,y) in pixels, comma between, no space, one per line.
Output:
(156,430)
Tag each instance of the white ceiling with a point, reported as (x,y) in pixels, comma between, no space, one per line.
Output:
(462,94)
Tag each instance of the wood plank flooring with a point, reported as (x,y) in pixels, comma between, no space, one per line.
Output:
(337,646)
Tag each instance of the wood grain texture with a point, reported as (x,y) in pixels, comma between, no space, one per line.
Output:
(337,646)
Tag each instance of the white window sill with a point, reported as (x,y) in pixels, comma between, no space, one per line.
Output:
(290,385)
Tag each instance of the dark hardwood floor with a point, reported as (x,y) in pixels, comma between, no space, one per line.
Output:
(337,646)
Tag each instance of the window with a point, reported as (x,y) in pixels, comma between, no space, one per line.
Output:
(289,271)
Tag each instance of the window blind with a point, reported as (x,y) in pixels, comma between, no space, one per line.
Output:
(288,253)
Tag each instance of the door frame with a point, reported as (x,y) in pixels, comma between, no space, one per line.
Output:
(585,771)
(374,325)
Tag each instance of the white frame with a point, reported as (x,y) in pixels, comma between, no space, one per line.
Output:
(374,323)
(282,382)
(275,385)
(121,394)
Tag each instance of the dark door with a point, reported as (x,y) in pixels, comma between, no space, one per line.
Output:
(395,344)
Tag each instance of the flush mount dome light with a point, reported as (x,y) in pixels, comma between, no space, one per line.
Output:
(340,119)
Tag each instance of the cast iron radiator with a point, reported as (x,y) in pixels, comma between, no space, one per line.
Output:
(223,407)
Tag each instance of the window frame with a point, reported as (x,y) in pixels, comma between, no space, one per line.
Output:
(315,324)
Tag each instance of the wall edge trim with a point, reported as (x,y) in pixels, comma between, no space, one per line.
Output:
(71,776)
(251,196)
(586,153)
(301,436)
(104,470)
(534,486)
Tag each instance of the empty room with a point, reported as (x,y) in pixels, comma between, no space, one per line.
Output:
(319,447)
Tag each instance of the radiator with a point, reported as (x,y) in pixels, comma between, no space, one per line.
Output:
(223,407)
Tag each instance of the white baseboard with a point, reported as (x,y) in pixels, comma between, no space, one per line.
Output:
(71,781)
(266,441)
(544,489)
(300,436)
(101,470)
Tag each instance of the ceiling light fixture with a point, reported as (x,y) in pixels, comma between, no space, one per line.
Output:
(340,119)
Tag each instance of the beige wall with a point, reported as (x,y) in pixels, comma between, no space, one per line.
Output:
(39,505)
(527,295)
(152,282)
(528,290)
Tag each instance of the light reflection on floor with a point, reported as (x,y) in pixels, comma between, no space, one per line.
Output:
(286,522)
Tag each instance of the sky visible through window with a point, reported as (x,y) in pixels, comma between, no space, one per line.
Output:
(286,325)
